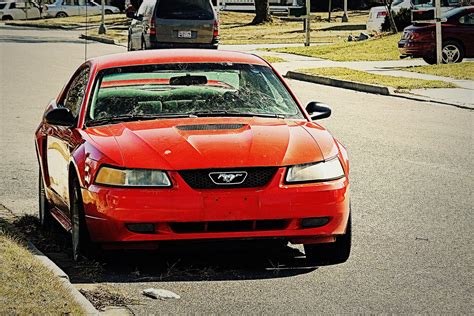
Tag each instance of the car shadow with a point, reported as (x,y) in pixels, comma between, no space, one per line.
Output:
(173,261)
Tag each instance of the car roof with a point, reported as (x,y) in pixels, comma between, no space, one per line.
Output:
(173,56)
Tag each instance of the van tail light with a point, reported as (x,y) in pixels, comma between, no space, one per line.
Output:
(381,14)
(215,33)
(152,27)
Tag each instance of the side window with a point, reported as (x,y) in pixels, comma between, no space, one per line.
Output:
(467,19)
(76,92)
(13,5)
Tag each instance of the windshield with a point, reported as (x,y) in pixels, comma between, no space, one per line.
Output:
(184,9)
(162,91)
(397,2)
(3,5)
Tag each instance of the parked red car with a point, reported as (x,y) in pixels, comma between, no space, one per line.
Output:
(145,147)
(458,38)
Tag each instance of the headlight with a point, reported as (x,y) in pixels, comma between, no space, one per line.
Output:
(319,171)
(132,177)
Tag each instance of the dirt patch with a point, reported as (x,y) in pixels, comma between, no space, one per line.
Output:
(102,297)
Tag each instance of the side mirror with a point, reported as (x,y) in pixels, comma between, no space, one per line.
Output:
(60,116)
(318,110)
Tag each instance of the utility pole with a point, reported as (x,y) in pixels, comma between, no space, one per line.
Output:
(307,41)
(439,39)
(102,28)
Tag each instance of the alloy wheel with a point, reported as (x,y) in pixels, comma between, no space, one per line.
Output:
(451,54)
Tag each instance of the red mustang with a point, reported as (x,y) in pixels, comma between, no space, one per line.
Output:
(145,147)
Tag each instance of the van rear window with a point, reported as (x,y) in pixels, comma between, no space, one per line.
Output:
(184,10)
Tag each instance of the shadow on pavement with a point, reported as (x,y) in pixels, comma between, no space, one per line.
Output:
(36,40)
(174,261)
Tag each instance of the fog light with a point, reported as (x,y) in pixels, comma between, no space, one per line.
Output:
(141,228)
(314,222)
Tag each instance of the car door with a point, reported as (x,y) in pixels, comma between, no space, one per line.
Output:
(91,7)
(465,33)
(61,140)
(16,13)
(71,9)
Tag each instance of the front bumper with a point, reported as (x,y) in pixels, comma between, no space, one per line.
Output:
(182,213)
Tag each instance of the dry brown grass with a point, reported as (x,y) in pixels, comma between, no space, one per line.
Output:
(26,286)
(235,27)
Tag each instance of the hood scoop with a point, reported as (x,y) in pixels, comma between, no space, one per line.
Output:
(209,127)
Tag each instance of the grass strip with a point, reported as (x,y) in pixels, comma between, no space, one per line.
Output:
(463,71)
(235,27)
(274,59)
(26,286)
(381,80)
(375,49)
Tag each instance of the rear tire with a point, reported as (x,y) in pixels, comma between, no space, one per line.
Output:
(331,253)
(44,213)
(7,18)
(81,243)
(61,14)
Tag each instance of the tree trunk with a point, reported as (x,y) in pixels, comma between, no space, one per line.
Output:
(262,12)
(393,25)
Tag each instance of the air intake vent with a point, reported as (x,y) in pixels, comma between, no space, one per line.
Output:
(209,127)
(256,177)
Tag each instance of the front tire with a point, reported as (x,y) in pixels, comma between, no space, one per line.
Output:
(331,253)
(130,46)
(81,243)
(430,60)
(44,213)
(452,52)
(108,12)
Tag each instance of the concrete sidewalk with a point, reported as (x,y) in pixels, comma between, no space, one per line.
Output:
(462,96)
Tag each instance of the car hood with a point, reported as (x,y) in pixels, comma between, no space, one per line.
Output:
(211,143)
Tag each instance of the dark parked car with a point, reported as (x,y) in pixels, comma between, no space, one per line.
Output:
(173,24)
(458,38)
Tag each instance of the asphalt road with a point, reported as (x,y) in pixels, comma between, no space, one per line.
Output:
(412,201)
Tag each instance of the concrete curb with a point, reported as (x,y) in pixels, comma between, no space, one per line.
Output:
(43,26)
(98,39)
(366,88)
(89,309)
(339,83)
(87,306)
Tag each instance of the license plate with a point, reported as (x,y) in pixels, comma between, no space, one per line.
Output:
(184,34)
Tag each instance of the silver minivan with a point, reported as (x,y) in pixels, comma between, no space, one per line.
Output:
(173,24)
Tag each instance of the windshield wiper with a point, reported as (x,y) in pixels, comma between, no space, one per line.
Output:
(234,114)
(134,117)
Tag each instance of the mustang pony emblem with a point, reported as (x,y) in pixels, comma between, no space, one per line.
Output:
(228,178)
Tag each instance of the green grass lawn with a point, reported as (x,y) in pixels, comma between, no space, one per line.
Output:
(382,80)
(26,286)
(383,48)
(463,70)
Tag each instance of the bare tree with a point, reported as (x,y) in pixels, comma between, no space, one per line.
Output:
(388,6)
(262,12)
